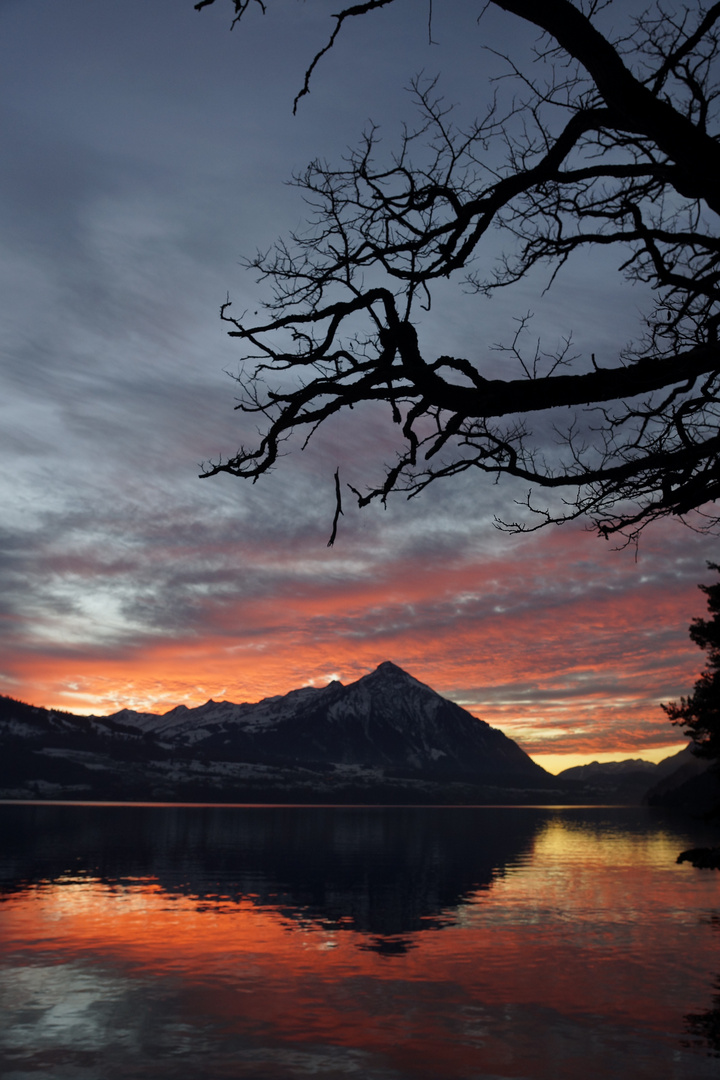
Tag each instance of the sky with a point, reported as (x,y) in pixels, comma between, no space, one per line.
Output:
(147,151)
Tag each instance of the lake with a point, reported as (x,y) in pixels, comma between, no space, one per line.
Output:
(184,943)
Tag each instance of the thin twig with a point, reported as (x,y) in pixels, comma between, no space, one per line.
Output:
(338,508)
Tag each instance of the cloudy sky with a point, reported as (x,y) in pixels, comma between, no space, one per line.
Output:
(146,151)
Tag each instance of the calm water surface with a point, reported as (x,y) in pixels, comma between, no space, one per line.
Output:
(380,943)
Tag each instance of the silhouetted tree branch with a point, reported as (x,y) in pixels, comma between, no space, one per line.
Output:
(614,145)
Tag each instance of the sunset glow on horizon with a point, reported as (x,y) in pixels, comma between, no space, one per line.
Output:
(569,657)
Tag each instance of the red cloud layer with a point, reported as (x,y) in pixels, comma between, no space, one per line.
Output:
(565,647)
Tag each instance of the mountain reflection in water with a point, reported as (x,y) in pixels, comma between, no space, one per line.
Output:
(371,870)
(388,943)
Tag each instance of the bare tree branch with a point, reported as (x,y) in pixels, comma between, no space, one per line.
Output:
(338,509)
(616,145)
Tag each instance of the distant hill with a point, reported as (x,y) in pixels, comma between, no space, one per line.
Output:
(385,738)
(635,780)
(613,781)
(692,785)
(603,770)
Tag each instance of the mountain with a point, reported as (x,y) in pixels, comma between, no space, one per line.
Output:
(386,737)
(613,781)
(386,719)
(687,783)
(605,769)
(634,780)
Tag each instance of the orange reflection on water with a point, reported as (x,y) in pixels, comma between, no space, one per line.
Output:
(584,925)
(248,969)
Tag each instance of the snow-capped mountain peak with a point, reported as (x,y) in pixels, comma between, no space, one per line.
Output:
(385,720)
(386,733)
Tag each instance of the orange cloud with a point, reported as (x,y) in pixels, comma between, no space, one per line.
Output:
(565,647)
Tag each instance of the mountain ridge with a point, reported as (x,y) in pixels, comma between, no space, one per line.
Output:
(386,718)
(385,736)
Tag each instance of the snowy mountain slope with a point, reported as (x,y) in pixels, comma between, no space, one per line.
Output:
(186,725)
(387,719)
(385,738)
